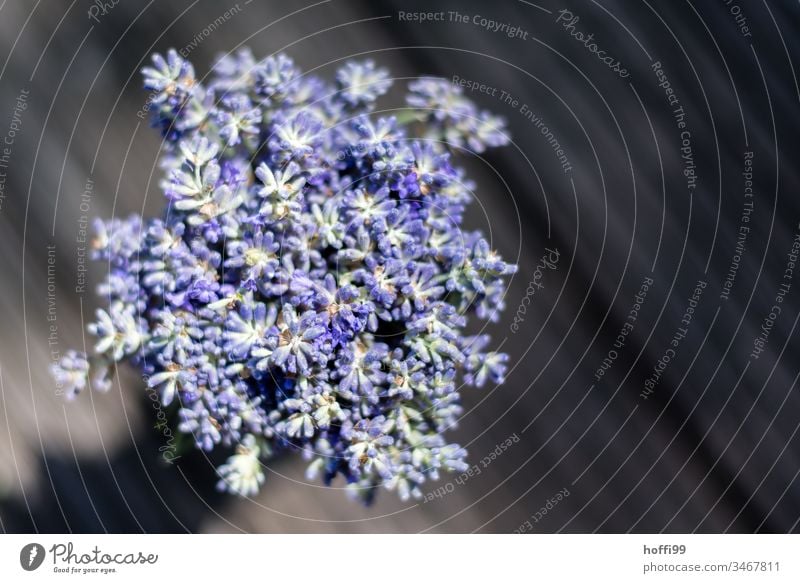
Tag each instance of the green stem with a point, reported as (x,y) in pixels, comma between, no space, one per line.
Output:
(407,116)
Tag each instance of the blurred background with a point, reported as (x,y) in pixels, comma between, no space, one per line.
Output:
(655,160)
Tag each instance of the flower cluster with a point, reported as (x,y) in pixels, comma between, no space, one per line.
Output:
(309,284)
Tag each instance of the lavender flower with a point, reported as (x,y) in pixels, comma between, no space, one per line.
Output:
(308,286)
(362,83)
(242,473)
(451,117)
(71,373)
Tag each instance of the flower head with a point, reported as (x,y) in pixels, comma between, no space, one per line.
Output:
(362,83)
(309,284)
(242,474)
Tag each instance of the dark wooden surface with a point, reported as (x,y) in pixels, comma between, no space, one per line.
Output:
(714,448)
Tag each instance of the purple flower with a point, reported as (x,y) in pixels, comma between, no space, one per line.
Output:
(368,450)
(452,118)
(361,83)
(71,373)
(310,283)
(237,119)
(296,136)
(298,340)
(169,78)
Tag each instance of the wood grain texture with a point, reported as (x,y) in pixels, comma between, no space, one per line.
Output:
(716,445)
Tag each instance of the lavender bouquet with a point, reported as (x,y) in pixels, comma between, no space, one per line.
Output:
(309,284)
